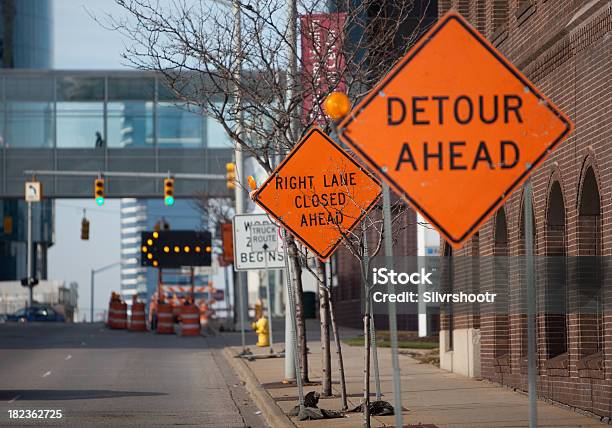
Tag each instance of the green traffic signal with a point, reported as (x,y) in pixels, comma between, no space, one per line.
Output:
(100,201)
(169,200)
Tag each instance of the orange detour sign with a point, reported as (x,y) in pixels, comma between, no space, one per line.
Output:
(454,128)
(318,193)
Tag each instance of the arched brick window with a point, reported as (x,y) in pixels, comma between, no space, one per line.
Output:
(588,279)
(555,271)
(501,279)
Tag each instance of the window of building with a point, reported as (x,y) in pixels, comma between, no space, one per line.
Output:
(589,274)
(501,286)
(130,124)
(179,125)
(80,112)
(80,124)
(29,111)
(555,293)
(130,112)
(216,137)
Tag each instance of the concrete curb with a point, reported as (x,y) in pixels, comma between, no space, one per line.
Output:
(271,412)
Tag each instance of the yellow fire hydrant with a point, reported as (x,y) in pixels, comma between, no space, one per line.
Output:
(263,333)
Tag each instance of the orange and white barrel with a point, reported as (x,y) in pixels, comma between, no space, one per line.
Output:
(117,315)
(204,312)
(165,323)
(113,309)
(190,320)
(121,316)
(137,319)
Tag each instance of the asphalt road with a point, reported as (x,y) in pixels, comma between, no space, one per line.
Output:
(101,377)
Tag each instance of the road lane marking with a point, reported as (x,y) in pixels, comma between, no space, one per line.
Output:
(47,374)
(68,357)
(15,398)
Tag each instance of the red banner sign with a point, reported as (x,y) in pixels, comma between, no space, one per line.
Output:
(322,61)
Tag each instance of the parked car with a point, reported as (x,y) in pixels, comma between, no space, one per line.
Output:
(38,313)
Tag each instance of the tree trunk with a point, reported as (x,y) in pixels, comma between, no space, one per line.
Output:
(366,364)
(326,381)
(365,275)
(338,350)
(299,307)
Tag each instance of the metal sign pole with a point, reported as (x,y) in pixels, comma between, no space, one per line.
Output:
(291,299)
(91,310)
(29,255)
(388,238)
(241,311)
(227,292)
(531,308)
(269,297)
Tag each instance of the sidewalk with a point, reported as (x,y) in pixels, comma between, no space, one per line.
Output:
(431,395)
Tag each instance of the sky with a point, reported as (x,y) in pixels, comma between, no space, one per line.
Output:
(81,43)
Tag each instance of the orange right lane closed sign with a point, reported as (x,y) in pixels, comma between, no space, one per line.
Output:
(454,128)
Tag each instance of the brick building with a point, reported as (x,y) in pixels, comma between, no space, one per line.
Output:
(564,48)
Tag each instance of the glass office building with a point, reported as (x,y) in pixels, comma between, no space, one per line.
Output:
(26,34)
(25,42)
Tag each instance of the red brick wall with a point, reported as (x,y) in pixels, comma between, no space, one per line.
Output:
(565,49)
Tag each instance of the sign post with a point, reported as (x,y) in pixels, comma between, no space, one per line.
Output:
(531,302)
(263,238)
(32,194)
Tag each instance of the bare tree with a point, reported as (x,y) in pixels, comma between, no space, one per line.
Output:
(264,104)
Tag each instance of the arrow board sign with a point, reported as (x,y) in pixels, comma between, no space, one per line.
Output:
(251,233)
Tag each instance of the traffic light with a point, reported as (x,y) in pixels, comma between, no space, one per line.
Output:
(169,191)
(85,229)
(8,225)
(230,175)
(99,191)
(29,282)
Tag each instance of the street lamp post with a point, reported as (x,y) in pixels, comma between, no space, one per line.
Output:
(92,279)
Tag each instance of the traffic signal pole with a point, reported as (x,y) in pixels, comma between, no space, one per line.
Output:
(29,255)
(242,306)
(93,287)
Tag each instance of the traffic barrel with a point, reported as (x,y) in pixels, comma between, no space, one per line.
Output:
(204,314)
(164,319)
(137,320)
(117,313)
(121,316)
(190,320)
(112,309)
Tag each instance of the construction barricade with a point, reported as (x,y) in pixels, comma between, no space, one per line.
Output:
(137,320)
(165,324)
(204,312)
(117,313)
(190,320)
